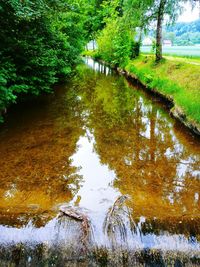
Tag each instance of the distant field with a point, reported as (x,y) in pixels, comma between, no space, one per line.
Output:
(185,51)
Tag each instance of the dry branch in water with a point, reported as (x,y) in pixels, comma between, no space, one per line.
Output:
(82,218)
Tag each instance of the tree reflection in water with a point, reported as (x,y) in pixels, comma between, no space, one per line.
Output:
(152,162)
(148,157)
(36,172)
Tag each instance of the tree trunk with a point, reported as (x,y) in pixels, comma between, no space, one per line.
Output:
(159,30)
(140,35)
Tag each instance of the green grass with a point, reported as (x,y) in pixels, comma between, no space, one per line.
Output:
(177,80)
(192,52)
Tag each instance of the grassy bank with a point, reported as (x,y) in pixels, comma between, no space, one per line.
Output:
(176,80)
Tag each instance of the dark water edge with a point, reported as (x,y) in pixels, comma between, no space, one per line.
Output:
(99,137)
(42,255)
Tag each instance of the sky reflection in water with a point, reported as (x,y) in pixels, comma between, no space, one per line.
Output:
(97,139)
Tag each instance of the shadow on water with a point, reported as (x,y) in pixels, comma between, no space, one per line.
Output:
(125,174)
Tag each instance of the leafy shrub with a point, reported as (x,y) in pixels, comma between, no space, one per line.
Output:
(40,42)
(114,44)
(135,49)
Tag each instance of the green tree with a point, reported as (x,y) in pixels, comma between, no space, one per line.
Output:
(142,13)
(161,9)
(40,42)
(136,15)
(114,43)
(94,19)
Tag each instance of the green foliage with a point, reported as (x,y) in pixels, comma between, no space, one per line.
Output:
(140,14)
(94,21)
(40,42)
(114,43)
(135,49)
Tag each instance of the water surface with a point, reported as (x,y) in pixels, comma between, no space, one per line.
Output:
(96,139)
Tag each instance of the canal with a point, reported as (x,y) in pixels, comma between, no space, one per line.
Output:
(98,174)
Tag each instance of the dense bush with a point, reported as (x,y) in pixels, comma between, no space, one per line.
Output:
(40,42)
(135,49)
(114,43)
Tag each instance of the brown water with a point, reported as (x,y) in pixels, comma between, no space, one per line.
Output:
(96,139)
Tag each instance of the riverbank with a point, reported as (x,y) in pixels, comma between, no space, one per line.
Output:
(177,81)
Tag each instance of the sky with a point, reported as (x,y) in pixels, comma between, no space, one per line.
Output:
(189,15)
